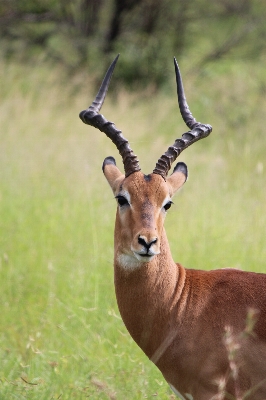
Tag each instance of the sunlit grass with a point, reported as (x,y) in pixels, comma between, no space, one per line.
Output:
(61,334)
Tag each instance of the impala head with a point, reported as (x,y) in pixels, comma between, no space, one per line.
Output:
(142,204)
(142,200)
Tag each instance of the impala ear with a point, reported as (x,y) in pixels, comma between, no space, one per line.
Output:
(112,173)
(178,177)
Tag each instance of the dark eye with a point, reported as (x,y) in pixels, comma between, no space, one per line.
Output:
(122,201)
(167,205)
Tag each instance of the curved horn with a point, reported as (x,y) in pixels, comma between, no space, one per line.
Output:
(92,117)
(198,131)
(182,101)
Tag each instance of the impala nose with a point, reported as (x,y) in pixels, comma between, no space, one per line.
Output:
(144,241)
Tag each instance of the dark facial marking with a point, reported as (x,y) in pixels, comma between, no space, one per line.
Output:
(146,212)
(148,178)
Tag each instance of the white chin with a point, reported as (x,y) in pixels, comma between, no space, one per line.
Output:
(133,261)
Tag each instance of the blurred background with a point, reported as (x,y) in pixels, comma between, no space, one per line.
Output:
(61,336)
(87,33)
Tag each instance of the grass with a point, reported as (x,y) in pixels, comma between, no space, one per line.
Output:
(61,334)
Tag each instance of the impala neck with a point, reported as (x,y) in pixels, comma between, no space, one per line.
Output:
(147,294)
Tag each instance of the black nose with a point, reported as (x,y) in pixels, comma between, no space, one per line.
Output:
(143,241)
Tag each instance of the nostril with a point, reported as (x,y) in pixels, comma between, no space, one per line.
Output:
(145,243)
(142,241)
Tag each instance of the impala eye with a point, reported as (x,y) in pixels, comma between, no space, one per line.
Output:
(122,201)
(167,205)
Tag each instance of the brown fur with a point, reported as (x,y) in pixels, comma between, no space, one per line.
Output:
(179,316)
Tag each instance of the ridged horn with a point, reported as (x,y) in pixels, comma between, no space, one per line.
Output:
(198,131)
(92,117)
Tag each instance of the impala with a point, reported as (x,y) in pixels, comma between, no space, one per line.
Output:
(190,323)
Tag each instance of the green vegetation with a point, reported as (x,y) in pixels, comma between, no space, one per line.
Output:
(147,32)
(61,334)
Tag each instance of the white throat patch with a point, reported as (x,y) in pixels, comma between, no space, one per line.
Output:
(128,262)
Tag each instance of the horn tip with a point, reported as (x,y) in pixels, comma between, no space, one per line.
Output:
(176,64)
(116,58)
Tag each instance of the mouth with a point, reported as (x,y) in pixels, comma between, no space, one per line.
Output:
(146,257)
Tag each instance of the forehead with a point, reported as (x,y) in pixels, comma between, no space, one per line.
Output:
(143,187)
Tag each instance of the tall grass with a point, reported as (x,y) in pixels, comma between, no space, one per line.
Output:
(61,334)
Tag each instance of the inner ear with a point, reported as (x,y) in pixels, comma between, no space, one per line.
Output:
(112,173)
(178,177)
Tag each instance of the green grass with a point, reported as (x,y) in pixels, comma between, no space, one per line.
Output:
(61,334)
